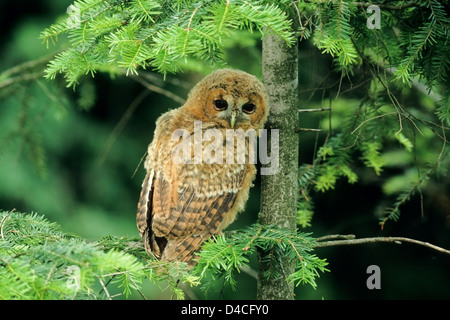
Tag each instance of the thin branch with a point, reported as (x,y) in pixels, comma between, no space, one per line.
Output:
(368,4)
(373,118)
(159,80)
(386,6)
(108,296)
(307,130)
(22,78)
(349,241)
(121,125)
(2,223)
(314,110)
(137,289)
(139,165)
(252,273)
(157,89)
(336,237)
(21,68)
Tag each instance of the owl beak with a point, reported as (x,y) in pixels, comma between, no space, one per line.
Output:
(233,119)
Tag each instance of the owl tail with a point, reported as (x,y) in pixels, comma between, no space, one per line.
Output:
(183,249)
(152,244)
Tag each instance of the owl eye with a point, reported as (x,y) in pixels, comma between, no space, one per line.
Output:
(220,105)
(248,108)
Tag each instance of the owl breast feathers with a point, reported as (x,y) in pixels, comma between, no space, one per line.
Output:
(195,184)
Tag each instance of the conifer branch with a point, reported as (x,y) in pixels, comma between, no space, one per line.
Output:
(138,34)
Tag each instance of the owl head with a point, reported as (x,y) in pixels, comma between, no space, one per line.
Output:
(230,99)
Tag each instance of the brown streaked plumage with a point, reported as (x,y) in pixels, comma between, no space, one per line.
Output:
(183,204)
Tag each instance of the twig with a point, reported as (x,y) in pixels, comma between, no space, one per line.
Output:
(307,130)
(314,110)
(373,118)
(368,4)
(25,71)
(138,290)
(336,237)
(157,79)
(104,288)
(252,273)
(139,164)
(386,6)
(121,125)
(397,240)
(157,89)
(24,77)
(2,223)
(21,68)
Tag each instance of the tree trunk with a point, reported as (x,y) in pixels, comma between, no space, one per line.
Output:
(279,191)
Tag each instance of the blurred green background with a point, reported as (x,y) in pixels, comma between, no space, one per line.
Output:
(74,156)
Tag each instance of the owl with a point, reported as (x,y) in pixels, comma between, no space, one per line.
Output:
(186,199)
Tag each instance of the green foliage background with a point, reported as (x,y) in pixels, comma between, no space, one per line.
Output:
(73,155)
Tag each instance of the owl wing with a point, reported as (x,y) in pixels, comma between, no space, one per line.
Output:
(143,217)
(175,218)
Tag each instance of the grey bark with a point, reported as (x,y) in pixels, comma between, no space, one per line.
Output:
(279,191)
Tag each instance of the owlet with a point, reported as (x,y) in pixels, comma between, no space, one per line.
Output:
(198,173)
